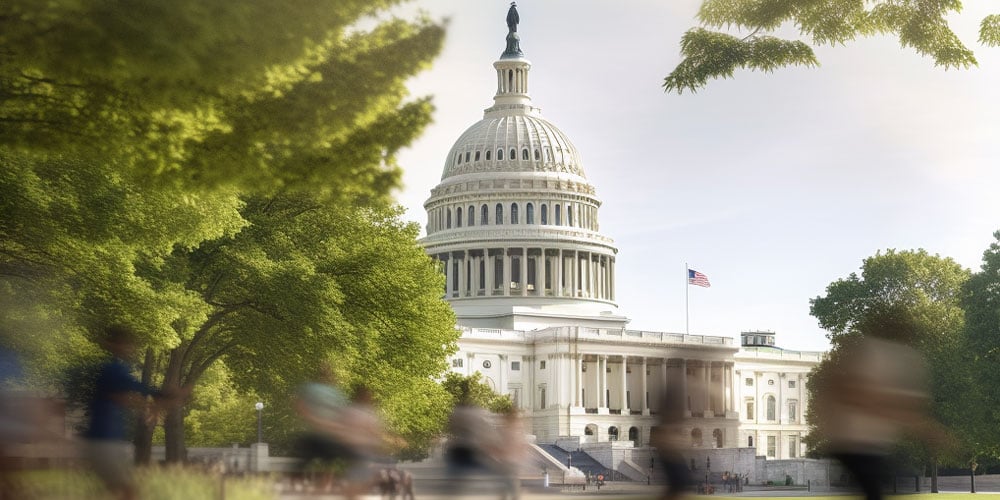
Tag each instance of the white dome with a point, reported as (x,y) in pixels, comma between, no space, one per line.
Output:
(537,144)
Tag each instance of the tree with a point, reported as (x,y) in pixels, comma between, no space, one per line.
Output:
(910,297)
(303,283)
(479,393)
(202,94)
(920,25)
(982,312)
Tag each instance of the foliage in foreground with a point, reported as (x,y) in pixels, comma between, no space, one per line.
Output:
(709,54)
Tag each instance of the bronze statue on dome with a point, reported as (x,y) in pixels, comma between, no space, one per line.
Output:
(512,18)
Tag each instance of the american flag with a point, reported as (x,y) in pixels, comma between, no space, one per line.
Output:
(697,279)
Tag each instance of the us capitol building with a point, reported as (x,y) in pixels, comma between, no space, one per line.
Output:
(514,225)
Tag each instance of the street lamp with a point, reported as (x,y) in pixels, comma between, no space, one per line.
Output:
(260,429)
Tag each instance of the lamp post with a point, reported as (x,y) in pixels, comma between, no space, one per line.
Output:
(260,428)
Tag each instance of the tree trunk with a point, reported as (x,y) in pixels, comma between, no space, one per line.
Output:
(934,476)
(143,440)
(173,427)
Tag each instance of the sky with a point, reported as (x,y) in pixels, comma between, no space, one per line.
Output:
(773,185)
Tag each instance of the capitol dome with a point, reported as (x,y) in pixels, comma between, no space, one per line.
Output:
(513,222)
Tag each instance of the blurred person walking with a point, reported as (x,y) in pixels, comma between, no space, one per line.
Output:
(668,439)
(116,393)
(878,392)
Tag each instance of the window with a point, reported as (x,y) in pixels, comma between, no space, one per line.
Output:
(524,154)
(515,366)
(456,363)
(449,219)
(472,215)
(612,433)
(791,384)
(558,215)
(538,155)
(499,154)
(793,447)
(750,413)
(793,411)
(772,446)
(513,213)
(569,215)
(458,217)
(515,273)
(770,408)
(513,154)
(458,158)
(485,219)
(749,382)
(696,439)
(477,155)
(541,365)
(770,382)
(545,214)
(466,156)
(750,441)
(488,155)
(498,273)
(487,364)
(530,214)
(541,398)
(499,214)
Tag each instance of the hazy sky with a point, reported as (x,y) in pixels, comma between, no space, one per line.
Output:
(772,185)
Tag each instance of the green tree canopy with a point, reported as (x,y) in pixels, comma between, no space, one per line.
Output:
(982,313)
(910,297)
(205,93)
(918,24)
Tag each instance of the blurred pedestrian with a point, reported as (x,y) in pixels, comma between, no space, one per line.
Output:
(877,391)
(668,439)
(116,393)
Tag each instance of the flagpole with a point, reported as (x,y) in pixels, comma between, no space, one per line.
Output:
(687,286)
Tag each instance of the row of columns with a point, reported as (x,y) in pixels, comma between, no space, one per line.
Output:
(692,378)
(471,273)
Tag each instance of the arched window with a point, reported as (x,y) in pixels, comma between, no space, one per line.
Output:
(569,215)
(499,214)
(530,213)
(633,435)
(590,430)
(477,155)
(458,217)
(717,434)
(513,213)
(771,408)
(558,215)
(545,214)
(472,215)
(499,154)
(538,155)
(466,156)
(524,154)
(488,155)
(510,80)
(458,159)
(612,433)
(448,224)
(485,219)
(513,154)
(696,439)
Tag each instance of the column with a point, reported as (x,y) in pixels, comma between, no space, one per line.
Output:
(540,273)
(502,387)
(661,400)
(707,377)
(645,389)
(506,272)
(576,273)
(557,280)
(611,280)
(727,383)
(461,274)
(625,402)
(524,272)
(578,386)
(602,377)
(447,277)
(684,388)
(489,271)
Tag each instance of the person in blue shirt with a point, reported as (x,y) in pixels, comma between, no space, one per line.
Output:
(116,394)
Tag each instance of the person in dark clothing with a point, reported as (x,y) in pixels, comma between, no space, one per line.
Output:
(116,394)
